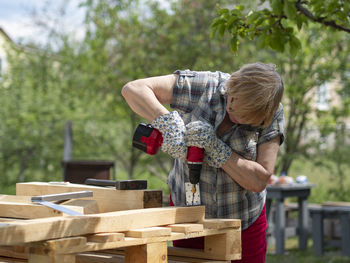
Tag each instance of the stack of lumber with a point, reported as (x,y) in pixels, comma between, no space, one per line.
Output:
(108,199)
(126,235)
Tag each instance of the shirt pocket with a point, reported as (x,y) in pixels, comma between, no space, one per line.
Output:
(246,144)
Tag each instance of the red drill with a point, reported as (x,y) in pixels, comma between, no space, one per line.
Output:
(149,139)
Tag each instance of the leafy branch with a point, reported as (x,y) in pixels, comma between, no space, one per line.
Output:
(275,27)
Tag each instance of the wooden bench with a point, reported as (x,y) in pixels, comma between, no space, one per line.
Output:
(279,193)
(327,211)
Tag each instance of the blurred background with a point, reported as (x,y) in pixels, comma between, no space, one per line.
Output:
(63,64)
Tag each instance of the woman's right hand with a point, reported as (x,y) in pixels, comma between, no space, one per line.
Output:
(172,128)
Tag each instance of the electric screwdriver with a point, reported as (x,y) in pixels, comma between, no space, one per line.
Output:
(149,139)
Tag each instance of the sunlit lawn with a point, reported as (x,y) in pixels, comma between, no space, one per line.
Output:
(294,255)
(322,179)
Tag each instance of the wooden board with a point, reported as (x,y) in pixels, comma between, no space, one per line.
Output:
(11,260)
(87,206)
(105,237)
(58,227)
(5,219)
(330,203)
(186,228)
(99,258)
(152,252)
(216,235)
(200,254)
(223,244)
(108,199)
(150,245)
(15,198)
(220,223)
(31,210)
(149,232)
(14,251)
(89,257)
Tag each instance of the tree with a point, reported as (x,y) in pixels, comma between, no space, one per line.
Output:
(277,22)
(336,158)
(318,64)
(308,42)
(81,80)
(30,114)
(154,44)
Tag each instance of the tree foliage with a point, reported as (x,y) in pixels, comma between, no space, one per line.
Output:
(276,24)
(80,80)
(309,43)
(318,64)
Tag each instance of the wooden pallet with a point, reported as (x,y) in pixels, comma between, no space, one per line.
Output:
(126,229)
(143,234)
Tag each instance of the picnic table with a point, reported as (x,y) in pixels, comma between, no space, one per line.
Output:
(331,210)
(279,193)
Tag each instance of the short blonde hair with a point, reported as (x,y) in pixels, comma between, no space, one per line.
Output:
(260,89)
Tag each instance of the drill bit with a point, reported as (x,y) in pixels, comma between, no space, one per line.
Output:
(193,192)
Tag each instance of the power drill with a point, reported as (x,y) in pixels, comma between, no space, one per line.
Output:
(149,139)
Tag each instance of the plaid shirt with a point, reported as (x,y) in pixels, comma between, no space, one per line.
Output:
(201,96)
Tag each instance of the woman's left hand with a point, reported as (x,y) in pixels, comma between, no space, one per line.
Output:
(202,135)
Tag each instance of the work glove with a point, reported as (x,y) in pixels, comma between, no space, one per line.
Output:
(202,135)
(172,128)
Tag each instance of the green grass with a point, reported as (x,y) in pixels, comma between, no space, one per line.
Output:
(323,178)
(294,255)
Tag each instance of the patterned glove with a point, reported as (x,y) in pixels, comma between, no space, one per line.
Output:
(202,134)
(172,128)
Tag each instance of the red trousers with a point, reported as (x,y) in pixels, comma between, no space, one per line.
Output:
(253,241)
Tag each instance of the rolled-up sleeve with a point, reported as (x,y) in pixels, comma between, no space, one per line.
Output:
(189,87)
(275,128)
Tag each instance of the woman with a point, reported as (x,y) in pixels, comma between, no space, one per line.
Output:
(238,120)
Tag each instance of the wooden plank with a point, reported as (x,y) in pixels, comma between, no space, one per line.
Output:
(186,228)
(11,260)
(87,206)
(201,254)
(149,232)
(99,258)
(105,237)
(220,223)
(141,241)
(26,211)
(50,248)
(177,259)
(148,253)
(106,257)
(128,241)
(65,243)
(108,199)
(34,258)
(152,198)
(15,198)
(6,219)
(331,203)
(21,207)
(228,244)
(57,227)
(14,251)
(31,211)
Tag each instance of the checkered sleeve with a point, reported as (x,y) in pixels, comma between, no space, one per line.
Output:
(189,87)
(275,128)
